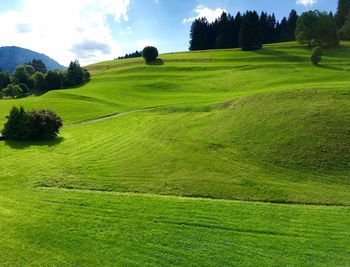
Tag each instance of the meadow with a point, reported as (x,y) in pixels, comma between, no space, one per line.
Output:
(218,158)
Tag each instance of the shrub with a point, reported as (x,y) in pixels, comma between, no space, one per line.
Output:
(12,91)
(31,125)
(43,124)
(316,56)
(16,126)
(150,53)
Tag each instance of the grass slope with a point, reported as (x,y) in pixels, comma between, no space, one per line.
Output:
(262,126)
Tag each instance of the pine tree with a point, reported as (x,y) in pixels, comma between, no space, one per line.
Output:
(283,30)
(292,25)
(342,12)
(199,35)
(250,34)
(236,29)
(264,24)
(271,32)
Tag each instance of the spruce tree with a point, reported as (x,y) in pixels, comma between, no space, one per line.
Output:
(199,35)
(292,25)
(250,34)
(342,12)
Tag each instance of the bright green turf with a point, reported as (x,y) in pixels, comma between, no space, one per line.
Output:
(261,126)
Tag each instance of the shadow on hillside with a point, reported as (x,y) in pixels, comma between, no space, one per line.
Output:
(329,67)
(156,62)
(279,55)
(25,144)
(40,93)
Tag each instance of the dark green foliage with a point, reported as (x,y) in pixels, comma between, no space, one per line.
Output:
(224,32)
(292,25)
(39,81)
(343,12)
(199,35)
(250,36)
(132,55)
(38,65)
(43,124)
(54,80)
(27,78)
(24,88)
(317,28)
(16,126)
(31,125)
(316,55)
(12,91)
(23,74)
(5,79)
(76,74)
(150,53)
(344,32)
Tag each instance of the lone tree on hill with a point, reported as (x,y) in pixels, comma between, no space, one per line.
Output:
(150,53)
(250,36)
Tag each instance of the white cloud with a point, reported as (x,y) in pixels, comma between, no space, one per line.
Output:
(306,2)
(202,11)
(127,31)
(65,31)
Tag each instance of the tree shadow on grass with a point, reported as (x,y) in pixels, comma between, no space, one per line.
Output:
(329,67)
(26,144)
(279,54)
(156,62)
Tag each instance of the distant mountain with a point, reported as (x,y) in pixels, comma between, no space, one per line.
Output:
(13,56)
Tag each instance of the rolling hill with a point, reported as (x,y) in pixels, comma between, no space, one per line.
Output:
(216,158)
(13,56)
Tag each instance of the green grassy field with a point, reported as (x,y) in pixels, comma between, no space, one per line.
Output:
(239,158)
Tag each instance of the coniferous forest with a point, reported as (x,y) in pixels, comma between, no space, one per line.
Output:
(230,31)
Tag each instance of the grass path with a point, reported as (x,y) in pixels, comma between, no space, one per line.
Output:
(108,117)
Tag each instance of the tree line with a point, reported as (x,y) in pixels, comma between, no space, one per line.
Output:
(34,77)
(250,30)
(232,31)
(135,54)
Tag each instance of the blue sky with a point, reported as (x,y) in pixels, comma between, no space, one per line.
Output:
(95,30)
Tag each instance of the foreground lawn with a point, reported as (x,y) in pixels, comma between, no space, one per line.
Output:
(70,228)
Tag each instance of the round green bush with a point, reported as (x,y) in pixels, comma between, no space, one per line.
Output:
(31,125)
(150,53)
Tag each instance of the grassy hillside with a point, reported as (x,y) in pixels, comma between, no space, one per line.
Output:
(262,126)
